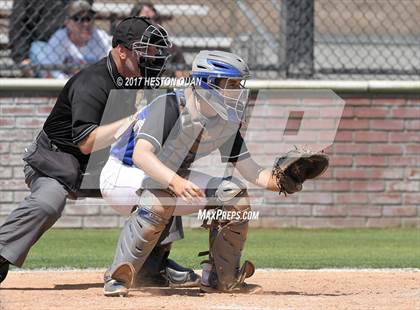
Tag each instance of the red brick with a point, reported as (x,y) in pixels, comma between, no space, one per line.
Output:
(358,102)
(399,211)
(403,186)
(389,101)
(17,134)
(370,161)
(372,112)
(332,186)
(11,159)
(292,125)
(383,222)
(276,222)
(404,137)
(319,198)
(310,124)
(364,210)
(31,100)
(414,102)
(411,199)
(385,173)
(354,124)
(294,210)
(12,185)
(343,136)
(403,161)
(4,147)
(255,123)
(349,173)
(5,172)
(18,172)
(412,149)
(384,198)
(371,136)
(347,148)
(264,210)
(386,149)
(18,110)
(43,110)
(30,122)
(5,197)
(328,222)
(351,198)
(275,198)
(387,124)
(336,112)
(367,186)
(412,125)
(368,173)
(413,174)
(329,211)
(411,222)
(406,112)
(336,161)
(7,122)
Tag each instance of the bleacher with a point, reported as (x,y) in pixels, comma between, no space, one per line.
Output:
(108,12)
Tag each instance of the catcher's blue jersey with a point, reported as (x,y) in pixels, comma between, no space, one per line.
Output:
(123,148)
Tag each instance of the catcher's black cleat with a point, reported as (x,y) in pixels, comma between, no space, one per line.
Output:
(4,268)
(171,275)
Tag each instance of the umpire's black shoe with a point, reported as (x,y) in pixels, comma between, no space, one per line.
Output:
(4,268)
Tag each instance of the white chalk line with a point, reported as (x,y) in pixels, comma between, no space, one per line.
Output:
(65,269)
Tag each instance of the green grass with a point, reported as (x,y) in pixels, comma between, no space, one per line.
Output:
(281,248)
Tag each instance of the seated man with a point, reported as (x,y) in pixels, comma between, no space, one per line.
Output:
(171,133)
(78,43)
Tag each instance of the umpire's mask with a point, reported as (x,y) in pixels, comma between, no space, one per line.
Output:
(152,51)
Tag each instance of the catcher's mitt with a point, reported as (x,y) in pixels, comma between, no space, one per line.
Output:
(297,166)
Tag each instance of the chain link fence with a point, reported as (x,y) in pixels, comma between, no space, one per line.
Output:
(305,39)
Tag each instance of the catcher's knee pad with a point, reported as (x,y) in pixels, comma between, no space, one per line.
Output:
(141,233)
(227,237)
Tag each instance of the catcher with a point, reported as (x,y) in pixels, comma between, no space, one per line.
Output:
(171,133)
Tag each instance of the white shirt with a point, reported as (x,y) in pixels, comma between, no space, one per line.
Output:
(61,50)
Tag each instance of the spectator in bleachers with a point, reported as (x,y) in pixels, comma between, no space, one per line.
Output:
(77,44)
(33,21)
(147,9)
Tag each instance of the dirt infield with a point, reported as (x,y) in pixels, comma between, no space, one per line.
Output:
(325,289)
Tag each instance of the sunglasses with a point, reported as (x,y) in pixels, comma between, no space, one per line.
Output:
(82,19)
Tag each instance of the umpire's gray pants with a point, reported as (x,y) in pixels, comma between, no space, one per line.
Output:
(38,212)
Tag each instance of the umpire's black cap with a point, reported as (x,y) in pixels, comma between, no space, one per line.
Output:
(130,30)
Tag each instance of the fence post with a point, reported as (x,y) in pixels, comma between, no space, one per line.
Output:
(299,45)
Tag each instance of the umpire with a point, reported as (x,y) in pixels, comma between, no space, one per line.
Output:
(57,159)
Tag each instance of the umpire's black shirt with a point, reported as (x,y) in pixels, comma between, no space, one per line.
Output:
(80,105)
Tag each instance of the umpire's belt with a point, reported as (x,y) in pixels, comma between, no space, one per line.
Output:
(45,158)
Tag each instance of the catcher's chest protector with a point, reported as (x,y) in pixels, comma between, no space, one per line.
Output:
(190,139)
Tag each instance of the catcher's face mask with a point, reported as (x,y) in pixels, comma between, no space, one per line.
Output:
(226,96)
(152,51)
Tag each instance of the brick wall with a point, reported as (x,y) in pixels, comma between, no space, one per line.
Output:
(374,179)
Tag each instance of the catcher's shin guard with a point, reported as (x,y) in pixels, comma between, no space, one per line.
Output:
(226,240)
(140,234)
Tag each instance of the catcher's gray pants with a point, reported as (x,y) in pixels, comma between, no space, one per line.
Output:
(37,213)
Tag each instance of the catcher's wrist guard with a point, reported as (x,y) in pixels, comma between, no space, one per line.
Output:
(297,166)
